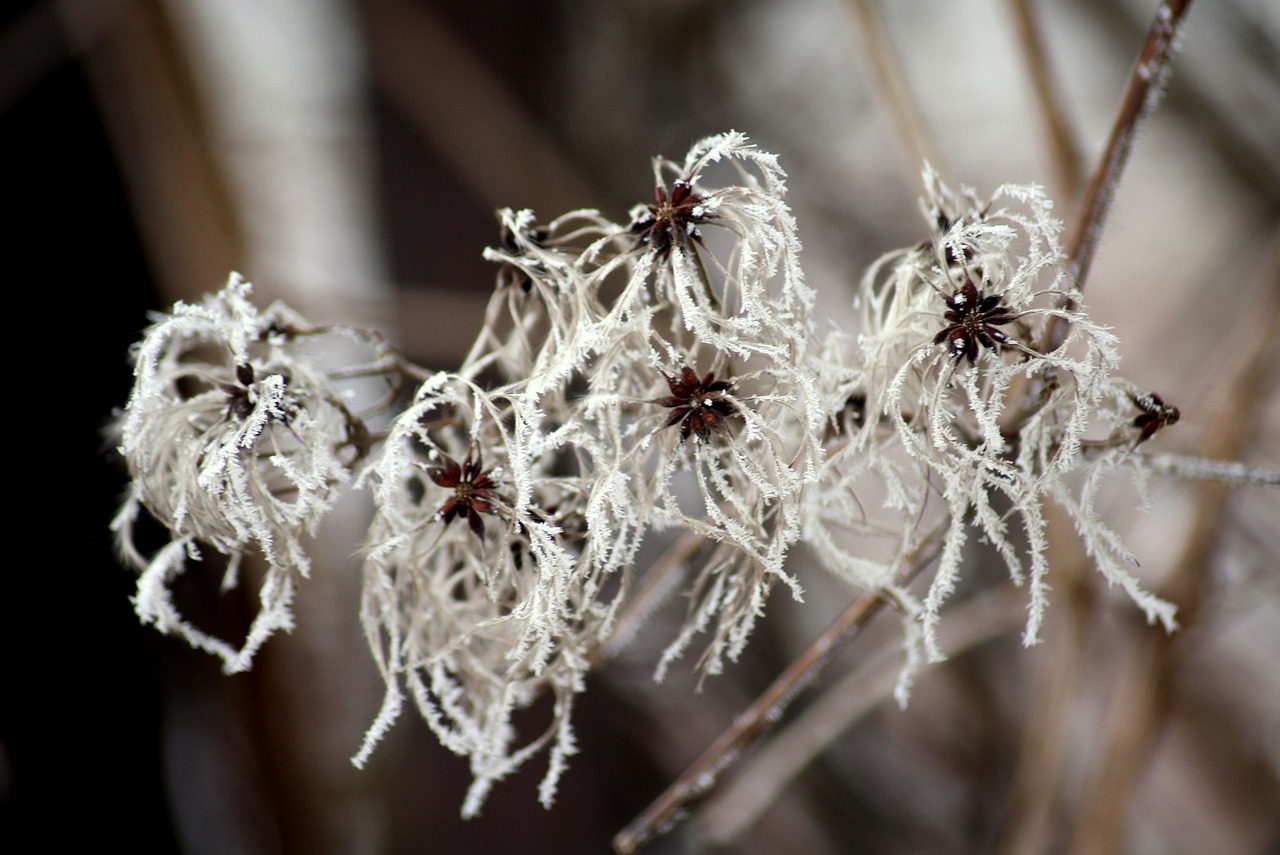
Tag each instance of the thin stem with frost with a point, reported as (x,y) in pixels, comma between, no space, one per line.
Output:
(768,708)
(1232,472)
(1146,83)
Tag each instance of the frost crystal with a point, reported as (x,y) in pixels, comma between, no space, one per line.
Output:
(478,621)
(593,329)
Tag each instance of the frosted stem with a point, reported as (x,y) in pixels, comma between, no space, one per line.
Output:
(1232,472)
(1146,82)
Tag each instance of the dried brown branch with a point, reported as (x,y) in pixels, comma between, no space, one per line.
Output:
(767,709)
(1146,82)
(495,146)
(145,89)
(739,805)
(1142,704)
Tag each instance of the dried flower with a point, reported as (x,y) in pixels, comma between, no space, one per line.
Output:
(478,622)
(474,491)
(974,318)
(511,274)
(544,441)
(735,296)
(1155,415)
(234,440)
(990,454)
(699,407)
(670,221)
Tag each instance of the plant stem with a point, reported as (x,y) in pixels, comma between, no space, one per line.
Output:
(1146,82)
(742,802)
(1064,150)
(767,709)
(1231,472)
(891,79)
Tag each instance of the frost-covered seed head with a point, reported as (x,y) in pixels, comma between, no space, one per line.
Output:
(670,221)
(973,319)
(234,441)
(698,406)
(1155,414)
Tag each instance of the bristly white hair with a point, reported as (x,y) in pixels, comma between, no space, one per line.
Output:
(997,435)
(234,441)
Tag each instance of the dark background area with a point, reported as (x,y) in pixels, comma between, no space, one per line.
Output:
(80,719)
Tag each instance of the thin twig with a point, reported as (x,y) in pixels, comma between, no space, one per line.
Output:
(738,806)
(1146,82)
(1144,690)
(891,79)
(1230,472)
(749,726)
(1064,150)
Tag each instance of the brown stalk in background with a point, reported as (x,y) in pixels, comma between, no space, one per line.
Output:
(890,76)
(1141,706)
(1064,150)
(768,708)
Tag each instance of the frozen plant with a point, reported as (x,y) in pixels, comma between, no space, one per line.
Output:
(475,593)
(660,375)
(959,398)
(593,429)
(711,336)
(235,441)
